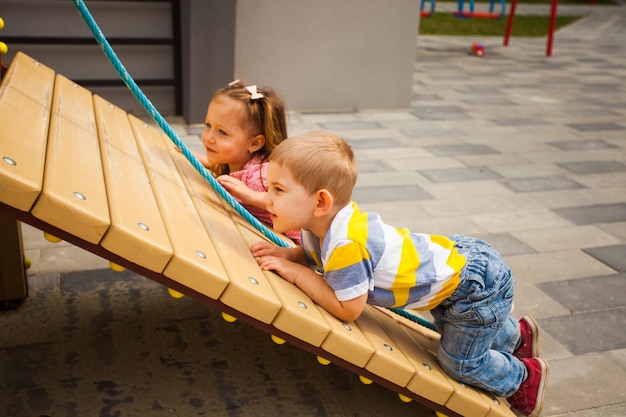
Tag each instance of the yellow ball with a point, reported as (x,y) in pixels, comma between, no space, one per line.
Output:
(27,263)
(278,340)
(4,49)
(1,23)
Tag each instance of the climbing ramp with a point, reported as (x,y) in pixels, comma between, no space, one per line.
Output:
(83,170)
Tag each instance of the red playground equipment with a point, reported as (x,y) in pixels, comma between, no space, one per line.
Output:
(509,26)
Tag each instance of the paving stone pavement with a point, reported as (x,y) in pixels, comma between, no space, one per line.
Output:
(526,151)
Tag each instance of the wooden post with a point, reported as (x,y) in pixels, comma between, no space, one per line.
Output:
(12,270)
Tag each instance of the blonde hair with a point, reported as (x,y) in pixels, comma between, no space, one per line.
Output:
(320,160)
(265,116)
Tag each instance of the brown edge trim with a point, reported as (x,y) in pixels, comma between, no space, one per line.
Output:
(28,218)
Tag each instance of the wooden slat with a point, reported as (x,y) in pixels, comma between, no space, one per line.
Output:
(298,315)
(195,263)
(388,361)
(73,196)
(497,406)
(249,290)
(26,90)
(346,341)
(137,232)
(429,380)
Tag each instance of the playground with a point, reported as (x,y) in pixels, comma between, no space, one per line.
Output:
(538,154)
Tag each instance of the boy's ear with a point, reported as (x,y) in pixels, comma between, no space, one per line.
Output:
(256,143)
(324,204)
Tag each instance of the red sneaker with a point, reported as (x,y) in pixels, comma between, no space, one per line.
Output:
(529,334)
(528,399)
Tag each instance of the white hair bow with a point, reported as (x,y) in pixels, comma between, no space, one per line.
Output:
(251,89)
(253,93)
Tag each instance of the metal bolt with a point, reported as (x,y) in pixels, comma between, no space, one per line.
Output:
(9,161)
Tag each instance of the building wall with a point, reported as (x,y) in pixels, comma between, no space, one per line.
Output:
(318,54)
(329,54)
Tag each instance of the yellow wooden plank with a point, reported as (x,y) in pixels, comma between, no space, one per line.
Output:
(73,196)
(249,290)
(498,407)
(26,90)
(388,361)
(195,262)
(346,341)
(137,232)
(429,381)
(298,315)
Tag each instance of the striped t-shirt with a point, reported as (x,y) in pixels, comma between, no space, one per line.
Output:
(361,254)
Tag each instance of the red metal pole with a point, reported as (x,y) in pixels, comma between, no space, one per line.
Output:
(551,28)
(509,25)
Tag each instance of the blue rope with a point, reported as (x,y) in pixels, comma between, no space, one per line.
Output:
(414,318)
(156,116)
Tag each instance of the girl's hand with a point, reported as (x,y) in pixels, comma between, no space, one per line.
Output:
(241,191)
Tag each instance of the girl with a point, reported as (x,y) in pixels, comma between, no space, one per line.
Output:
(243,126)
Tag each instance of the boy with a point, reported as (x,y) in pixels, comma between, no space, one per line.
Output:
(463,281)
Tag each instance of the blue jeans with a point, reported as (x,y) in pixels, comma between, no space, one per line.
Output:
(477,334)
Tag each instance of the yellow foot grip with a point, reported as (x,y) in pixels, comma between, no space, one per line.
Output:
(229,318)
(278,340)
(404,398)
(116,267)
(174,293)
(364,380)
(51,238)
(323,361)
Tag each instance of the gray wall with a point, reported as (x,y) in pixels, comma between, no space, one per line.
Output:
(208,52)
(329,54)
(318,54)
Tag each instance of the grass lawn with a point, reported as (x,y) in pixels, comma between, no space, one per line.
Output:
(441,23)
(531,26)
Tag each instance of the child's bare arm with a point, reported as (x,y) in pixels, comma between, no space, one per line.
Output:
(314,285)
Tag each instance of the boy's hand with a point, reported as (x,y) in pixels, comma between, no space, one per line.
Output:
(263,248)
(283,267)
(274,258)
